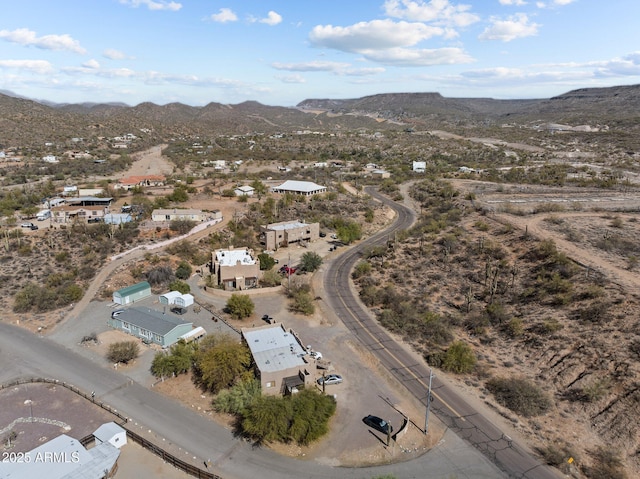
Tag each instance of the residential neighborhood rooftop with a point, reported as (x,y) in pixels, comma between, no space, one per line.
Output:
(274,349)
(231,257)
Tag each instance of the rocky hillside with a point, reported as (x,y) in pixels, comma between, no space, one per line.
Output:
(25,122)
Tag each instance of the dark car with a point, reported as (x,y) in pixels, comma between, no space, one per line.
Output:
(33,227)
(179,310)
(377,423)
(322,235)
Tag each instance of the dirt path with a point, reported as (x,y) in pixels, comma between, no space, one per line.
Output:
(148,162)
(589,257)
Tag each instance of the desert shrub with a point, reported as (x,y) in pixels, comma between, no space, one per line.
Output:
(606,463)
(363,268)
(520,395)
(177,360)
(302,302)
(180,286)
(160,275)
(240,306)
(301,418)
(597,312)
(459,358)
(123,351)
(183,271)
(182,226)
(270,278)
(237,398)
(557,455)
(514,328)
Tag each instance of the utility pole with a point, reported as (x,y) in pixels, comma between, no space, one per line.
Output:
(426,419)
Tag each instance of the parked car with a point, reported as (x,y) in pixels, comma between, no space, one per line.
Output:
(315,354)
(267,318)
(322,235)
(330,379)
(94,220)
(288,271)
(179,310)
(377,423)
(33,227)
(334,236)
(116,312)
(27,225)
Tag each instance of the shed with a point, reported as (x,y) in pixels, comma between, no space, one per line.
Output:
(112,433)
(184,300)
(170,297)
(132,293)
(194,334)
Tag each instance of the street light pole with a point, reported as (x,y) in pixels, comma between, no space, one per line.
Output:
(426,419)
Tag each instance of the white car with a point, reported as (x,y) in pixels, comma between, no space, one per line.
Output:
(315,354)
(330,379)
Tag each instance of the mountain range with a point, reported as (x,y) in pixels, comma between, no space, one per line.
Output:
(24,121)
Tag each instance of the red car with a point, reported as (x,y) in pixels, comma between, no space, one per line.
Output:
(288,271)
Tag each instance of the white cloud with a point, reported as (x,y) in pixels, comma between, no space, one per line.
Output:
(154,4)
(516,26)
(224,15)
(314,66)
(374,35)
(113,54)
(408,57)
(93,64)
(36,66)
(554,3)
(24,36)
(272,18)
(518,3)
(362,72)
(439,12)
(291,79)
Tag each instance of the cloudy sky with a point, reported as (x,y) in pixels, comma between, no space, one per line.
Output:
(280,52)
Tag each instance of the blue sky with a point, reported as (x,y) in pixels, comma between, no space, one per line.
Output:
(280,52)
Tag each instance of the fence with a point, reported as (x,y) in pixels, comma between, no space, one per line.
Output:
(122,421)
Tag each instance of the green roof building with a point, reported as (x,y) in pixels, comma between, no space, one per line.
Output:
(132,293)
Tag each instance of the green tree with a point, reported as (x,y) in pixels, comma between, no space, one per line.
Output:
(123,352)
(271,278)
(268,419)
(177,360)
(310,261)
(183,271)
(259,187)
(266,261)
(240,306)
(180,286)
(459,358)
(220,362)
(349,232)
(239,397)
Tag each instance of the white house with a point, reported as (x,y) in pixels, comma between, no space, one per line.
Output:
(50,159)
(305,188)
(420,166)
(244,191)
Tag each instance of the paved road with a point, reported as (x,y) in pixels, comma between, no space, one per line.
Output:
(25,355)
(452,409)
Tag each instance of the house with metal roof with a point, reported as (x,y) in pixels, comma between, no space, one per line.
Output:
(64,458)
(280,360)
(275,235)
(133,293)
(305,188)
(151,326)
(178,214)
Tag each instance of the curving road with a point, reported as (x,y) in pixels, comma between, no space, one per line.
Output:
(450,407)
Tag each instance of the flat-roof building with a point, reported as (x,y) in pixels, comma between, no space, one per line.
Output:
(279,357)
(235,268)
(276,235)
(305,188)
